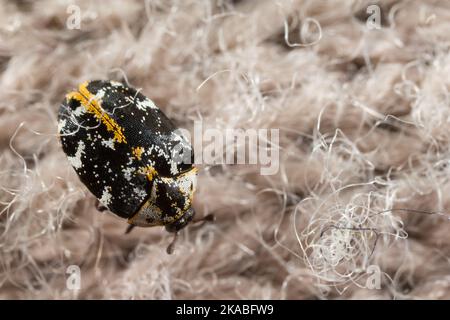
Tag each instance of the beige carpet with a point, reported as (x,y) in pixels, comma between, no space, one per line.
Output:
(363,118)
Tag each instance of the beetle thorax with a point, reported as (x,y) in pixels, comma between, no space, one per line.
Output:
(169,200)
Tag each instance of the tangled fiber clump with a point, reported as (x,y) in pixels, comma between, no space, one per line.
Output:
(363,116)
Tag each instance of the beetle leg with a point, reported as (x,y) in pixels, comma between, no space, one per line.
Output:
(208,218)
(99,206)
(129,228)
(171,246)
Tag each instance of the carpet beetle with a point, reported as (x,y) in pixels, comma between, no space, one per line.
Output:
(127,153)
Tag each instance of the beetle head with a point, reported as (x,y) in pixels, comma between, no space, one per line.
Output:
(182,222)
(170,202)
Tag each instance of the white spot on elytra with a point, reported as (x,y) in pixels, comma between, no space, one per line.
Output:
(127,173)
(79,111)
(147,103)
(140,192)
(106,196)
(75,161)
(61,125)
(108,143)
(100,94)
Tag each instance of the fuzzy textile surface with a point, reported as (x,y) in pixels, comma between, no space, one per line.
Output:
(363,116)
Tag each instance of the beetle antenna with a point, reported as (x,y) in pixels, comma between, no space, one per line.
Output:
(129,228)
(208,218)
(171,246)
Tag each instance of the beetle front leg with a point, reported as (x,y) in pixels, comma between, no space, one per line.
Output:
(208,218)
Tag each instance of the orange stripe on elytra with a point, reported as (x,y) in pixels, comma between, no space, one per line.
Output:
(137,152)
(92,105)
